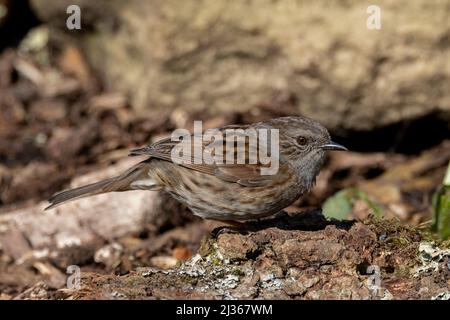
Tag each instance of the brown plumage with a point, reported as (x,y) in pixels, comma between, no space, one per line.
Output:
(227,191)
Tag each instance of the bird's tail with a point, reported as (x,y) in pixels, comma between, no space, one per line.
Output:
(123,182)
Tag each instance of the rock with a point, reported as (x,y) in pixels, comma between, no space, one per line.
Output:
(235,247)
(75,230)
(278,262)
(213,57)
(303,253)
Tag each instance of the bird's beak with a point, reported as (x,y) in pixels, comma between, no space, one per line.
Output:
(333,146)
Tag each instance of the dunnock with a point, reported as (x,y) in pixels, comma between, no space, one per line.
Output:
(227,191)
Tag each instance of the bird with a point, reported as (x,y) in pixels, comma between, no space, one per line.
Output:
(227,190)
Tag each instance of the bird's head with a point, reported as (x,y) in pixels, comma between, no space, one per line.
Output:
(303,143)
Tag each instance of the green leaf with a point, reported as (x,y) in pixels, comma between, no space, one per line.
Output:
(338,206)
(441,208)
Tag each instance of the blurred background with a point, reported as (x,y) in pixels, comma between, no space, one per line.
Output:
(73,102)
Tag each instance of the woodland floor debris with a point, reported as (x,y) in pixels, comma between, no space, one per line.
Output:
(60,124)
(283,260)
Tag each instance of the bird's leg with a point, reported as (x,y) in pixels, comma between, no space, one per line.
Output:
(232,227)
(233,223)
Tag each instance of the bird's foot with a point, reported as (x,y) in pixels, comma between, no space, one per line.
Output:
(232,227)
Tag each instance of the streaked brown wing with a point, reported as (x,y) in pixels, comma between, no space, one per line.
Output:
(247,174)
(163,150)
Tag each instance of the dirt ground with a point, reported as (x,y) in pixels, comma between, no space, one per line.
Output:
(61,125)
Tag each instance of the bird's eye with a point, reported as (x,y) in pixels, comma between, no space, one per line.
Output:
(301,140)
